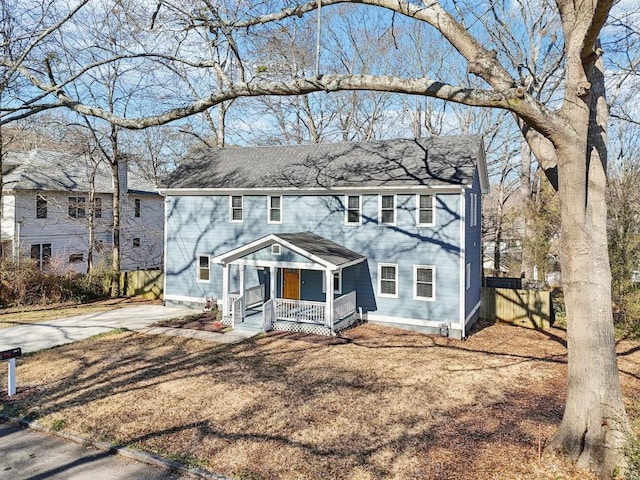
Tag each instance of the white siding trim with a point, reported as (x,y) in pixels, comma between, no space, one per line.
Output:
(409,321)
(184,298)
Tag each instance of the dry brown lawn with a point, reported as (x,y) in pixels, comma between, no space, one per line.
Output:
(375,403)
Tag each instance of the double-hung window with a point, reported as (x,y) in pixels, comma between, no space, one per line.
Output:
(275,210)
(235,208)
(204,268)
(387,214)
(76,208)
(388,280)
(41,206)
(337,283)
(137,208)
(424,282)
(41,253)
(353,210)
(473,209)
(426,213)
(97,207)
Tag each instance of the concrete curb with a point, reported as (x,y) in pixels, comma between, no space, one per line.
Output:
(137,455)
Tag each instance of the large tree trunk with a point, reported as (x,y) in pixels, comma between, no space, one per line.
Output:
(594,426)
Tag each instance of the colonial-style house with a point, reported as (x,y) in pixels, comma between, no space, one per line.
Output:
(45,212)
(317,236)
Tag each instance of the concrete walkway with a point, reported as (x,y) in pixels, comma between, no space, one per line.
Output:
(32,337)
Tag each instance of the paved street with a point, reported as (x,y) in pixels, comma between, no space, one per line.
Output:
(25,453)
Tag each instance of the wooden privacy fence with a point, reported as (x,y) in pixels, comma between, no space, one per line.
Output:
(525,308)
(142,283)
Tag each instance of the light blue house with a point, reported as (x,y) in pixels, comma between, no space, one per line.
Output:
(318,236)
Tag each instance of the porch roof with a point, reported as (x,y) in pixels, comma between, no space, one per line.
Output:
(319,249)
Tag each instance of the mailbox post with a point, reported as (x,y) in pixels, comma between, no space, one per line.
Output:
(10,355)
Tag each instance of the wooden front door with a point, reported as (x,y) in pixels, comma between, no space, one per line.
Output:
(291,284)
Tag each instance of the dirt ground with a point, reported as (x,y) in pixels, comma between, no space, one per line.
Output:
(373,403)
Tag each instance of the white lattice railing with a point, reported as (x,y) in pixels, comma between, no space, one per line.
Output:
(300,311)
(268,315)
(344,306)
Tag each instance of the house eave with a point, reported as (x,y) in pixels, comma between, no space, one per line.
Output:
(409,189)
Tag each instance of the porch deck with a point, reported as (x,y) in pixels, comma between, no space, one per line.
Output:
(295,315)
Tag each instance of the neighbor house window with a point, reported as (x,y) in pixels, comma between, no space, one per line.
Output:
(136,207)
(41,207)
(388,280)
(41,253)
(76,257)
(203,268)
(424,285)
(77,207)
(275,210)
(136,241)
(97,208)
(354,208)
(426,210)
(235,208)
(387,209)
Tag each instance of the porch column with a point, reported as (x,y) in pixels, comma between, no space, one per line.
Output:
(226,308)
(242,270)
(328,281)
(272,282)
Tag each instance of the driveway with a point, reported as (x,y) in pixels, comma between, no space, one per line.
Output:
(37,336)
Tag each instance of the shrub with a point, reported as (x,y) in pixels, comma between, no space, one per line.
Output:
(23,283)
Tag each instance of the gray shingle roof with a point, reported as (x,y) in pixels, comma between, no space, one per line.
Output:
(424,161)
(56,171)
(322,247)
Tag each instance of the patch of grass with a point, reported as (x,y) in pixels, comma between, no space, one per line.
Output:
(185,460)
(109,333)
(58,424)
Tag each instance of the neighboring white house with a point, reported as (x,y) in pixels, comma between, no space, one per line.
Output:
(45,209)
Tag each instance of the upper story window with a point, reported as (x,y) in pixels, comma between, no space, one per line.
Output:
(203,268)
(424,282)
(388,280)
(41,207)
(426,213)
(77,207)
(235,208)
(354,210)
(136,207)
(473,209)
(387,214)
(275,210)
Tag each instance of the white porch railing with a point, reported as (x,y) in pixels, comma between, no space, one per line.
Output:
(300,311)
(253,296)
(344,306)
(238,308)
(268,315)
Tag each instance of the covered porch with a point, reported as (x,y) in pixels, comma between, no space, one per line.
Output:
(300,283)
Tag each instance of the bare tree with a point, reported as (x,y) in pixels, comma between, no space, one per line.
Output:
(567,134)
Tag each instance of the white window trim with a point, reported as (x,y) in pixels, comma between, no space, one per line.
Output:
(339,289)
(346,210)
(198,279)
(415,283)
(388,295)
(467,274)
(231,220)
(269,197)
(395,209)
(433,210)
